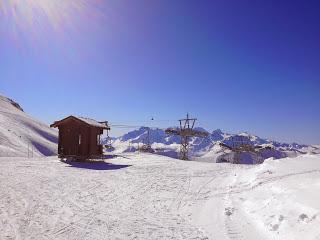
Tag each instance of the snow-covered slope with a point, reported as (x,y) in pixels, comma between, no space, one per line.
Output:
(282,197)
(147,196)
(210,148)
(22,135)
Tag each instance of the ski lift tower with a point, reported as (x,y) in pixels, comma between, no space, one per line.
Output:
(146,147)
(108,143)
(186,131)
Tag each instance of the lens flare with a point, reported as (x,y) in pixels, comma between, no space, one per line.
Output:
(35,17)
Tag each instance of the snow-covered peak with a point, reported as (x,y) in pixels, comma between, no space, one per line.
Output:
(7,104)
(132,135)
(200,129)
(217,131)
(208,146)
(217,135)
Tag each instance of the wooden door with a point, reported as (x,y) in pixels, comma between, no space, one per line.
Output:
(72,146)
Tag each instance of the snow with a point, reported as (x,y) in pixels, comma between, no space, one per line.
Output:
(21,134)
(92,122)
(208,149)
(146,196)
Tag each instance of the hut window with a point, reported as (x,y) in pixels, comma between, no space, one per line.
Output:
(98,139)
(79,139)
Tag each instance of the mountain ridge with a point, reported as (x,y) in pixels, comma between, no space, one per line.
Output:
(210,147)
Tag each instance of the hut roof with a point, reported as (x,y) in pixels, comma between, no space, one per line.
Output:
(87,121)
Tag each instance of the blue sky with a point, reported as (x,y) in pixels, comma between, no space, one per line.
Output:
(236,65)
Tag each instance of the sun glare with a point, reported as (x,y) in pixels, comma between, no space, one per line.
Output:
(33,16)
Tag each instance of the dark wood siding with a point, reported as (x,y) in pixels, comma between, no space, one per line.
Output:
(78,139)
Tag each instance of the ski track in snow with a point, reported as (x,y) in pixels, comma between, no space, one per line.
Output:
(144,197)
(61,203)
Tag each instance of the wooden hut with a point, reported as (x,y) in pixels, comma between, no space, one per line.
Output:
(80,137)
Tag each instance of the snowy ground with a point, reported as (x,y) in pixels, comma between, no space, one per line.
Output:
(144,196)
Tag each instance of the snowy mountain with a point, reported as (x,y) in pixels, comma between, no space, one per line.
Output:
(216,147)
(22,135)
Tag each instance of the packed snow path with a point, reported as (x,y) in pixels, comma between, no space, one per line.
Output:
(143,196)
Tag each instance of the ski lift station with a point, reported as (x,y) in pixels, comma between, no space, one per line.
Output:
(80,137)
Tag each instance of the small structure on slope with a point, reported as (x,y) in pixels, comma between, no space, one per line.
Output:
(79,137)
(244,150)
(146,147)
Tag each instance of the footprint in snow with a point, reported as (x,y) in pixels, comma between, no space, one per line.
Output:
(305,218)
(276,222)
(228,211)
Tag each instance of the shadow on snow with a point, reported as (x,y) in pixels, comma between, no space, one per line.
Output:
(96,165)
